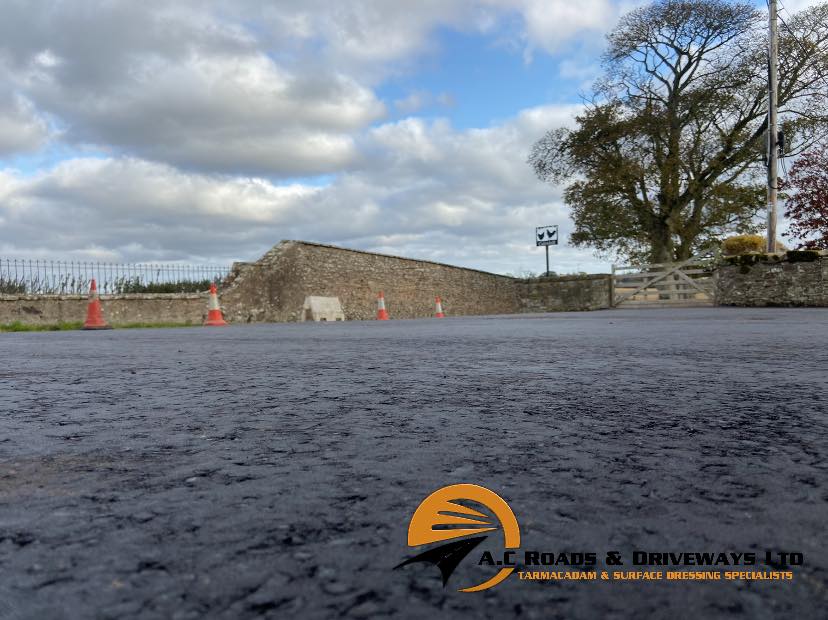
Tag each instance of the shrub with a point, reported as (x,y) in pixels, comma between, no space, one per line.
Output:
(10,286)
(743,244)
(136,285)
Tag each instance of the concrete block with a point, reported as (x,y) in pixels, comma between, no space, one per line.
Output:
(322,309)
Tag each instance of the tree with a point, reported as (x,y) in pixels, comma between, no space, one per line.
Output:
(667,155)
(807,202)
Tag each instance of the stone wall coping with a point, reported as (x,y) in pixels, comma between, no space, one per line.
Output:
(765,257)
(409,259)
(144,296)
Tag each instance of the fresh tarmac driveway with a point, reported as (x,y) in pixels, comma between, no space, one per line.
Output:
(272,470)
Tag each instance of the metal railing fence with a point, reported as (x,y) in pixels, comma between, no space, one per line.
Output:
(49,277)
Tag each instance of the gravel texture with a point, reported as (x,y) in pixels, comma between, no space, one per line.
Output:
(271,470)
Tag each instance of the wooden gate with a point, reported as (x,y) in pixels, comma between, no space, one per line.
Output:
(687,283)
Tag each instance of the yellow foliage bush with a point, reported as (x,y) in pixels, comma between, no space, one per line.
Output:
(744,244)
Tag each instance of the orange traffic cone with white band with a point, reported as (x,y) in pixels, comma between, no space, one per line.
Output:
(382,313)
(214,317)
(438,310)
(94,314)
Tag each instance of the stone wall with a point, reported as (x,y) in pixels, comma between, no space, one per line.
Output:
(564,293)
(274,288)
(795,278)
(118,309)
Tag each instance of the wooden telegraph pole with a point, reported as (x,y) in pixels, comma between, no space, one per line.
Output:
(773,129)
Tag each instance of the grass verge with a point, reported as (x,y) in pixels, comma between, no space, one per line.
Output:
(17,326)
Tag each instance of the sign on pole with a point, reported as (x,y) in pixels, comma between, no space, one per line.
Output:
(546,235)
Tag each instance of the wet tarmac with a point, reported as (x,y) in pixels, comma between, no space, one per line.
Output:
(271,470)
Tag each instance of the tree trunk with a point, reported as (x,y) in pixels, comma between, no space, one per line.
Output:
(663,251)
(661,244)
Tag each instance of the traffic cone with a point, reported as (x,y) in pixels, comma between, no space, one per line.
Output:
(214,317)
(438,310)
(382,313)
(94,314)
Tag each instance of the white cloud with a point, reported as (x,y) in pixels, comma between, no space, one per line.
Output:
(198,106)
(22,128)
(182,86)
(230,113)
(551,25)
(422,189)
(792,6)
(138,209)
(250,87)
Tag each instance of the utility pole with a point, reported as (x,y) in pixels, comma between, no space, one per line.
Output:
(773,129)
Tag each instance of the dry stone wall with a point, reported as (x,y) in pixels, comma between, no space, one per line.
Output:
(796,278)
(274,288)
(564,293)
(118,309)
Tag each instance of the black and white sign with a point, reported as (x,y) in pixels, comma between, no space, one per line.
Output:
(546,235)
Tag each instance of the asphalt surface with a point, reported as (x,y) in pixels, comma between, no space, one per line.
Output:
(272,470)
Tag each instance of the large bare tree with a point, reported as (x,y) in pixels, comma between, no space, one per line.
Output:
(668,154)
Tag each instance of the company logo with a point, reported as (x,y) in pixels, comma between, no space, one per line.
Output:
(454,520)
(441,517)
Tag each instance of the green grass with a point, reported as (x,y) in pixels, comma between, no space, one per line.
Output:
(17,326)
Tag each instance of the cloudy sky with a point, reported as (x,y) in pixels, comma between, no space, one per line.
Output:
(207,131)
